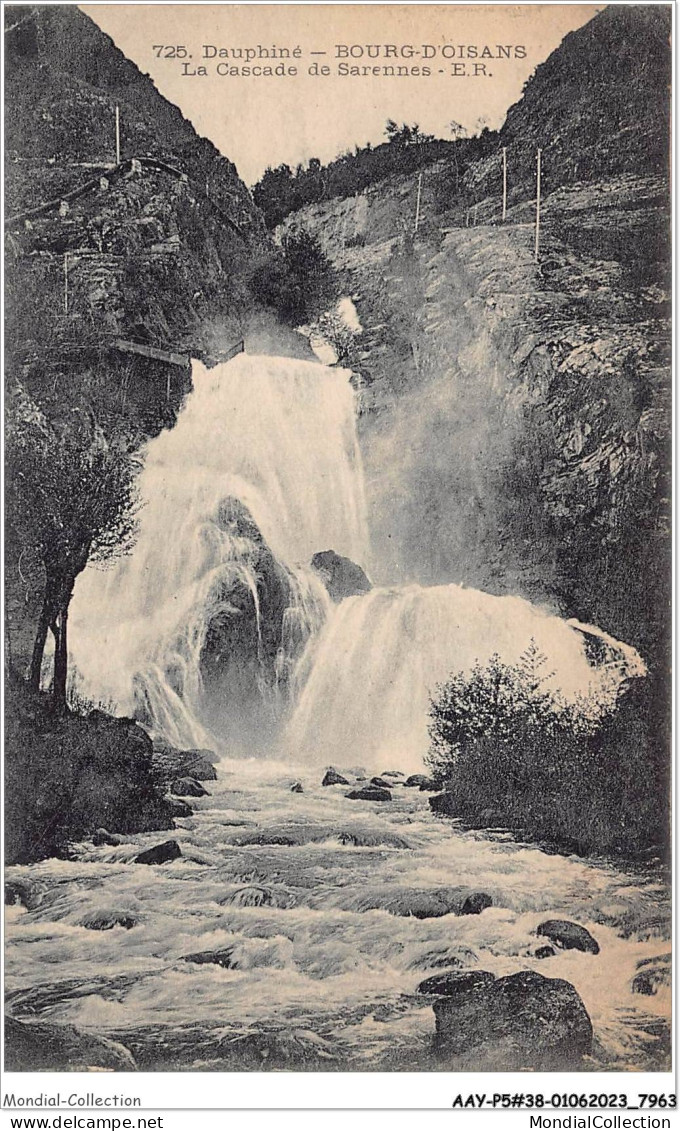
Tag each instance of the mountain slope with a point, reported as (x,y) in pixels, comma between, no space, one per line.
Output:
(157,249)
(526,405)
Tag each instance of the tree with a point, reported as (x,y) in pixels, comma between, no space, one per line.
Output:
(276,194)
(405,134)
(71,498)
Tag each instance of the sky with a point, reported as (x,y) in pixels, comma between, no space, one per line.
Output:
(260,120)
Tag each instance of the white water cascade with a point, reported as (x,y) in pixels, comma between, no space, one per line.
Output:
(279,437)
(365,679)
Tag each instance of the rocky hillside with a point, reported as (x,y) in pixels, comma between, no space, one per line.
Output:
(154,244)
(526,404)
(120,266)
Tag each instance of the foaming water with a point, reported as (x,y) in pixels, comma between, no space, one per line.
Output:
(261,471)
(278,436)
(306,894)
(371,669)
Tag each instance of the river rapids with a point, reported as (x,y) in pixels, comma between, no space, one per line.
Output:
(308,892)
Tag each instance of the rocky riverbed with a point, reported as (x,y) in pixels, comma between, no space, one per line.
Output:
(296,930)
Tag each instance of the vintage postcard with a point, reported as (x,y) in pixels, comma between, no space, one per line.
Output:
(337,540)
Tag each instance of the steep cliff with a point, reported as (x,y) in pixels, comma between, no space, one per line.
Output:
(523,406)
(123,258)
(151,240)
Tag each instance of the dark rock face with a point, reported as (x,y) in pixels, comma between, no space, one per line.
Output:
(107,920)
(476,903)
(520,1021)
(102,837)
(224,958)
(18,891)
(173,763)
(416,903)
(242,641)
(652,973)
(39,1046)
(179,808)
(188,787)
(444,805)
(457,984)
(392,774)
(257,895)
(341,576)
(332,777)
(416,780)
(160,853)
(369,793)
(544,951)
(568,936)
(297,788)
(68,776)
(380,783)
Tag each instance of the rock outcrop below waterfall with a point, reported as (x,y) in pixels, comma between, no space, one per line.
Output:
(68,776)
(342,577)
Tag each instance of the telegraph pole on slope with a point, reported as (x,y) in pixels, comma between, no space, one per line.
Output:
(538,203)
(505,183)
(117,136)
(420,186)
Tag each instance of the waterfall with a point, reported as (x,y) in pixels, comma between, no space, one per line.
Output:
(364,681)
(217,632)
(261,470)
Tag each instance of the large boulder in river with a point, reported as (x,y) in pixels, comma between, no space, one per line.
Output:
(332,777)
(476,902)
(522,1021)
(160,853)
(421,781)
(106,920)
(341,576)
(171,763)
(241,651)
(102,837)
(652,973)
(568,935)
(180,808)
(22,892)
(456,984)
(369,793)
(224,958)
(444,805)
(188,787)
(39,1046)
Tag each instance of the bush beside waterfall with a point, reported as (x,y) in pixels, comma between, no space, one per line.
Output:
(589,776)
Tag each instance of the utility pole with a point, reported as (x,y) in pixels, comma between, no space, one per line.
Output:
(505,183)
(420,185)
(117,136)
(538,203)
(65,282)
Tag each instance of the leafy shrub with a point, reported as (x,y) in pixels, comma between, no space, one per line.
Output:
(299,283)
(590,776)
